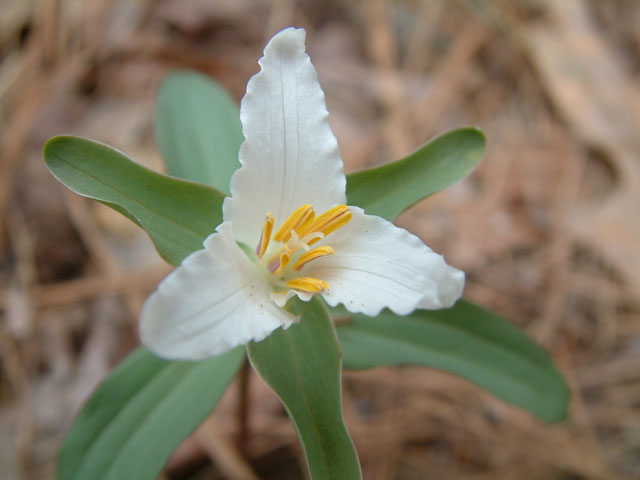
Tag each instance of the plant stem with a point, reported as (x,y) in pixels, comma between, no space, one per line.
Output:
(243,408)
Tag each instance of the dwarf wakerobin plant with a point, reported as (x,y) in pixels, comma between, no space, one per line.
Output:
(263,270)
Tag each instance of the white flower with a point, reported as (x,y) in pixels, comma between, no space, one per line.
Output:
(272,245)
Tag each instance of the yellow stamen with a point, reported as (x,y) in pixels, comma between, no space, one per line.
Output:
(328,222)
(297,221)
(307,284)
(265,236)
(280,261)
(312,255)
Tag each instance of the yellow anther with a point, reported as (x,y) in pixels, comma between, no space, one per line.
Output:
(328,222)
(312,255)
(280,261)
(297,221)
(265,236)
(307,284)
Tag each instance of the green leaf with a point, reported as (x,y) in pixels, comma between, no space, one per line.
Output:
(390,189)
(198,129)
(141,413)
(178,215)
(302,365)
(466,340)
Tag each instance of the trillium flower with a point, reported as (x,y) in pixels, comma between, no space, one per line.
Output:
(287,231)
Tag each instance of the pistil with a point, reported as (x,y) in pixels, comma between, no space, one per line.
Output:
(297,233)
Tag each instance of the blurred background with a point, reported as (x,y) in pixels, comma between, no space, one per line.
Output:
(547,227)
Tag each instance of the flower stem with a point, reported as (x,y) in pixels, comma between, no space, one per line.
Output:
(243,408)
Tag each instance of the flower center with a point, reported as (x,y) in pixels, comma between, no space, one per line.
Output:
(292,245)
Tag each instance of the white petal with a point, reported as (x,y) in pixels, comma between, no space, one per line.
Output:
(214,301)
(290,156)
(378,265)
